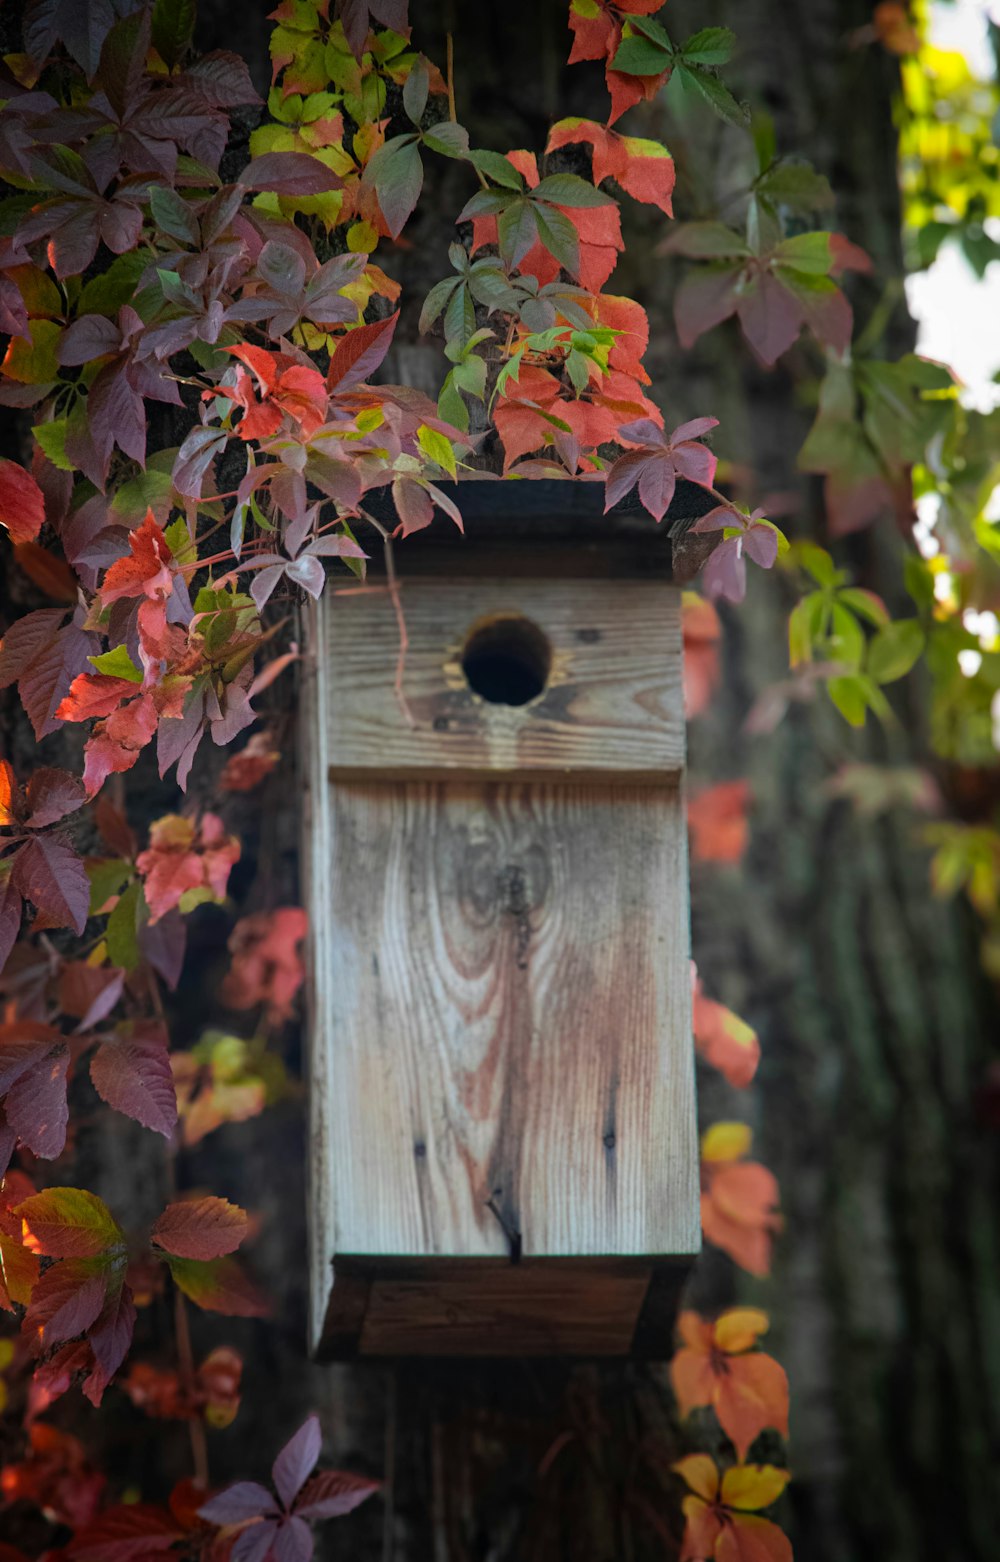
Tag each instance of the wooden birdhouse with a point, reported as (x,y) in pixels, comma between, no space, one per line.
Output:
(502,1135)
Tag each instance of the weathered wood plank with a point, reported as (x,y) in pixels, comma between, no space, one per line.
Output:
(505,1029)
(612,708)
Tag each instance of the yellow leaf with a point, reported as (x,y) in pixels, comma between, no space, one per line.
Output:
(699,1472)
(750,1486)
(738,1328)
(726,1142)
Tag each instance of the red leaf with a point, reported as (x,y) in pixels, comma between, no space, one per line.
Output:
(23,1043)
(49,873)
(128,1533)
(22,503)
(49,573)
(359,353)
(133,1075)
(200,1228)
(89,992)
(332,1493)
(114,829)
(145,571)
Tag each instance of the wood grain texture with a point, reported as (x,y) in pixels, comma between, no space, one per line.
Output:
(509,1021)
(613,706)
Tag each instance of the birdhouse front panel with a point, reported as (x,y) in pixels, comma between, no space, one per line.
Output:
(502,1109)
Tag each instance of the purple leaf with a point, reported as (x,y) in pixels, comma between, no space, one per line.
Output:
(194,458)
(163,944)
(293,1542)
(254,1544)
(245,1500)
(289,173)
(36,1106)
(65,1301)
(308,573)
(296,1460)
(760,543)
(92,336)
(48,872)
(111,1336)
(51,795)
(11,908)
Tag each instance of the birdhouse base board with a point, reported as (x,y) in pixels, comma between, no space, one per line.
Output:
(383,1307)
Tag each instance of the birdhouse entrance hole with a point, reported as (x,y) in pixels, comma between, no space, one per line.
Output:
(506,659)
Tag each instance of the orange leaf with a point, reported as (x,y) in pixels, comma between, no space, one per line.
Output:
(717,820)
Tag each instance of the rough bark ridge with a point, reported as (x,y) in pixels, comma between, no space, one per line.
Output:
(874,1024)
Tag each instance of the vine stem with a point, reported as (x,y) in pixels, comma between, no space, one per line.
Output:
(185,1362)
(182,1328)
(392,585)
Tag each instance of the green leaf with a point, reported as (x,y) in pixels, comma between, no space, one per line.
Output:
(497,167)
(116,664)
(715,93)
(122,932)
(451,406)
(865,604)
(846,639)
(795,185)
(707,241)
(559,236)
(149,490)
(173,29)
(438,448)
(849,696)
(436,301)
(106,875)
(460,316)
(105,293)
(173,216)
(52,438)
(217,1285)
(448,139)
(415,90)
(919,582)
(178,539)
(70,1223)
(806,252)
(800,633)
(638,56)
(895,649)
(570,190)
(710,46)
